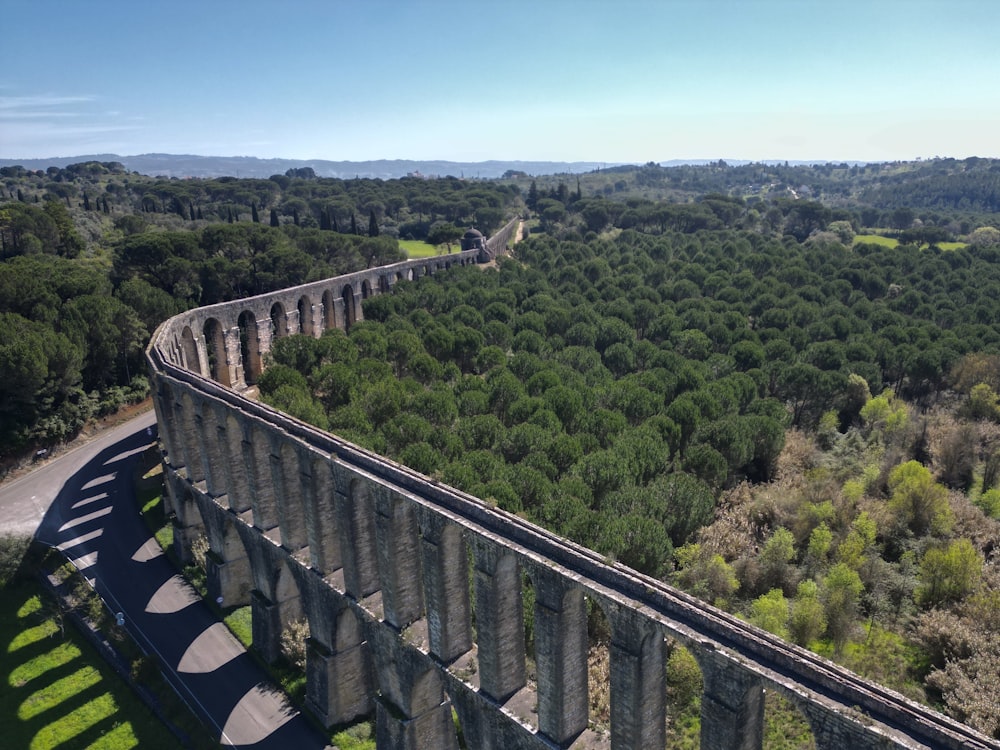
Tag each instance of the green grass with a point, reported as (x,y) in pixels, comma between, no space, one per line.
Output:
(239,622)
(877,239)
(420,249)
(57,691)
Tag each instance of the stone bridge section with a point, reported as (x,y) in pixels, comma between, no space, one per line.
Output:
(412,591)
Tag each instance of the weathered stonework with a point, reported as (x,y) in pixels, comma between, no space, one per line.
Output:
(378,561)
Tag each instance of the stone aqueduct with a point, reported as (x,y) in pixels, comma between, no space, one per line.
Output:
(412,591)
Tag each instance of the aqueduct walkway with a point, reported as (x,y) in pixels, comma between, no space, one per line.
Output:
(378,560)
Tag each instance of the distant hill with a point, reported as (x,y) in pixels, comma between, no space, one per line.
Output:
(185,165)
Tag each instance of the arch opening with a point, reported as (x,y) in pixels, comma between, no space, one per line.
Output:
(350,312)
(305,316)
(249,347)
(215,345)
(279,321)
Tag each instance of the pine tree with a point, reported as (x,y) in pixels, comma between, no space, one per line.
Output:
(274,217)
(372,224)
(532,196)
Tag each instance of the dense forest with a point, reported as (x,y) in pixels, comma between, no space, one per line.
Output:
(776,387)
(802,433)
(93,258)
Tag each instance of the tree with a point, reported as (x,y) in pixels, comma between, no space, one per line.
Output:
(274,218)
(842,589)
(770,612)
(372,224)
(443,233)
(807,618)
(948,574)
(918,502)
(777,553)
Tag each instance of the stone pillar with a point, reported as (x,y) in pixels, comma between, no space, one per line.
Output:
(163,407)
(560,656)
(265,621)
(237,455)
(321,527)
(257,452)
(287,479)
(638,682)
(354,511)
(188,524)
(234,357)
(338,686)
(732,705)
(833,730)
(359,313)
(264,337)
(188,432)
(339,313)
(499,621)
(432,729)
(230,579)
(446,588)
(398,549)
(208,448)
(412,710)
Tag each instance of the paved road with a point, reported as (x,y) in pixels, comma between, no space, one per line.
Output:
(83,503)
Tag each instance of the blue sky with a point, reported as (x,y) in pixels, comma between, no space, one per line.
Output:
(566,80)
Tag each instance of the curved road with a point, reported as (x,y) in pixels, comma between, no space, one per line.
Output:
(83,503)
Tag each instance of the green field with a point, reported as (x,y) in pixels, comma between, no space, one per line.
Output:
(875,239)
(420,249)
(878,239)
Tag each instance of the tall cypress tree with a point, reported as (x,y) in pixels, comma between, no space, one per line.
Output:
(354,224)
(191,209)
(324,219)
(372,224)
(253,213)
(274,217)
(295,216)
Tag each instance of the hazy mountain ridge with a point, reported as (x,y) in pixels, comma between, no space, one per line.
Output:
(191,165)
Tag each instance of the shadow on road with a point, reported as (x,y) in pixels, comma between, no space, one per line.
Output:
(95,522)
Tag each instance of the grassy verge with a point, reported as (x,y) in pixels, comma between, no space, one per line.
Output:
(58,690)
